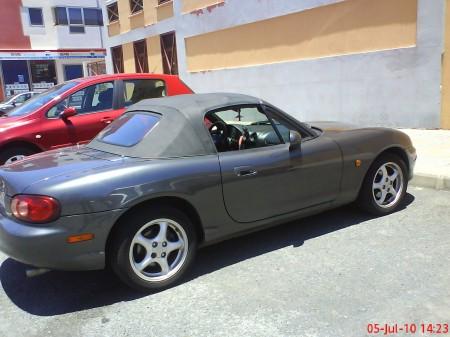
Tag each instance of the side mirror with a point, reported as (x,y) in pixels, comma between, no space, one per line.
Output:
(68,112)
(13,103)
(295,140)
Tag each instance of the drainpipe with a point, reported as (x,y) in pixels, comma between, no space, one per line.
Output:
(101,28)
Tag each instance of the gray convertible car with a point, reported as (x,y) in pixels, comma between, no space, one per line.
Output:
(174,174)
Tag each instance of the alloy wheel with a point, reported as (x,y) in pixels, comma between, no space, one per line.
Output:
(14,159)
(388,185)
(158,250)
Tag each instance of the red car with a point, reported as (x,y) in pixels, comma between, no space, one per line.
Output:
(74,112)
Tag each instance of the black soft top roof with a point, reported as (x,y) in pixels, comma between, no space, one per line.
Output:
(181,131)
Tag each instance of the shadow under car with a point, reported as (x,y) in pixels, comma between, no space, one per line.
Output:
(58,292)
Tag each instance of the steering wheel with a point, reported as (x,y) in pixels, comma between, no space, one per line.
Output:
(219,134)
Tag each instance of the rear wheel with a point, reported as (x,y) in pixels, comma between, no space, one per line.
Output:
(13,154)
(152,249)
(384,186)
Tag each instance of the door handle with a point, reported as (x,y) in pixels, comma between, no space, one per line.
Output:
(107,120)
(245,171)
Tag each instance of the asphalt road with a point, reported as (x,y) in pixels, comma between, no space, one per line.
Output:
(328,275)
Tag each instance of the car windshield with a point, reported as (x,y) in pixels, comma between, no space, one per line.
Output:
(39,100)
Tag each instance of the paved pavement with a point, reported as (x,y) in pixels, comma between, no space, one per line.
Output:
(328,275)
(433,161)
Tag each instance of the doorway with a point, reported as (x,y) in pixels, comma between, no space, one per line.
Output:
(73,71)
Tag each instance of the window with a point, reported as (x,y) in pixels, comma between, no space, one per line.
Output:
(129,129)
(22,98)
(76,24)
(113,12)
(284,126)
(117,59)
(169,54)
(96,68)
(77,17)
(241,128)
(43,71)
(140,56)
(41,99)
(283,130)
(95,98)
(160,2)
(76,29)
(93,17)
(137,90)
(136,6)
(36,18)
(60,16)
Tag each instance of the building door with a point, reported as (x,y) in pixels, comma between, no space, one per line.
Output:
(72,71)
(16,77)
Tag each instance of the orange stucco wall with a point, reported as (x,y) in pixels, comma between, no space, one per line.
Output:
(151,14)
(351,26)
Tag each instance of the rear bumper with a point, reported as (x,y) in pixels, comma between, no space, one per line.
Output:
(46,247)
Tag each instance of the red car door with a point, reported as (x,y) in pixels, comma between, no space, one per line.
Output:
(95,109)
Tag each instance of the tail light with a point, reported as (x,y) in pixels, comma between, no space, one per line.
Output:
(35,208)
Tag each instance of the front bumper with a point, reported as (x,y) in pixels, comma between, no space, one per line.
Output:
(46,246)
(412,157)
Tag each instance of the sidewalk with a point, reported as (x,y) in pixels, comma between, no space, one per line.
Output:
(433,158)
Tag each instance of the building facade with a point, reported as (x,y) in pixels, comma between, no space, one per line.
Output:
(45,42)
(369,62)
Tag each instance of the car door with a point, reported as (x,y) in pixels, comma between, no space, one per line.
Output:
(96,108)
(270,179)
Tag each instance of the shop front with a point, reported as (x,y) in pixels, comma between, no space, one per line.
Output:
(22,71)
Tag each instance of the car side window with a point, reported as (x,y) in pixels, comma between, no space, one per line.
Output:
(284,127)
(139,89)
(22,98)
(95,98)
(240,128)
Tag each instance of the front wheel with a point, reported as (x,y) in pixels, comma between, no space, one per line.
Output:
(384,186)
(14,154)
(152,249)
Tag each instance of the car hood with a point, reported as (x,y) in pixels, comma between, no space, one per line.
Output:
(330,126)
(17,177)
(6,105)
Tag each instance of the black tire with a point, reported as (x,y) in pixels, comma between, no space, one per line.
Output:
(367,200)
(11,152)
(118,253)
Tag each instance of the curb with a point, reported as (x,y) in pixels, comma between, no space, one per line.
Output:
(431,181)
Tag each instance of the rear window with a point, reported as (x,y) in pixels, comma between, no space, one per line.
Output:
(129,130)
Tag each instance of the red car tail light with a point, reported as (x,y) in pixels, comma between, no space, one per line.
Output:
(35,208)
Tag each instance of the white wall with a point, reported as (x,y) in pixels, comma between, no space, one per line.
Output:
(392,88)
(59,37)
